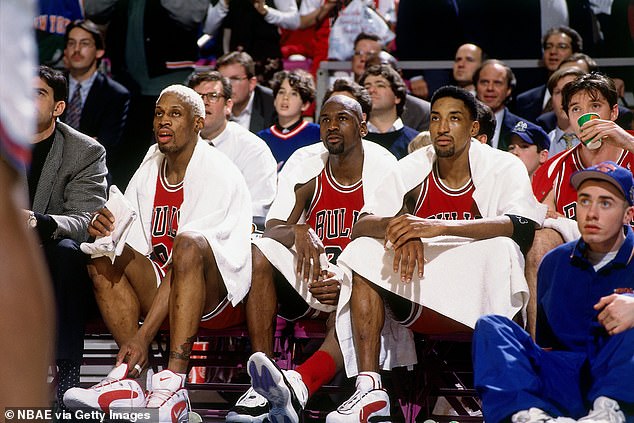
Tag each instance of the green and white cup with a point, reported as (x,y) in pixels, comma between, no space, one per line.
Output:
(592,143)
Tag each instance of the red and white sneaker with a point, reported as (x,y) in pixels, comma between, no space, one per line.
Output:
(115,391)
(169,395)
(369,403)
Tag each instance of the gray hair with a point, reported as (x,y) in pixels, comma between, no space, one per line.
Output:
(188,96)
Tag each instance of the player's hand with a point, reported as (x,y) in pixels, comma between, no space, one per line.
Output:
(326,290)
(309,247)
(408,257)
(133,352)
(101,224)
(617,313)
(609,132)
(406,227)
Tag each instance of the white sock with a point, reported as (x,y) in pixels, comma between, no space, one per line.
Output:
(367,381)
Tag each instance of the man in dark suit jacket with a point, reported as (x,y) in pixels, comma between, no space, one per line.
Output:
(98,105)
(252,103)
(494,81)
(557,44)
(67,183)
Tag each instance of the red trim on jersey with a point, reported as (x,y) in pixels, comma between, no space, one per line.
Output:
(167,203)
(438,201)
(333,210)
(289,134)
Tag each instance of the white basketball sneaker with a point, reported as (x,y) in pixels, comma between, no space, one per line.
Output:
(283,389)
(115,391)
(370,402)
(169,395)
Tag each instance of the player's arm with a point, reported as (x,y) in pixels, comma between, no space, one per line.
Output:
(608,131)
(374,226)
(307,244)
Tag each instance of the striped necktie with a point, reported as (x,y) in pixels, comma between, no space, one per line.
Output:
(568,140)
(73,115)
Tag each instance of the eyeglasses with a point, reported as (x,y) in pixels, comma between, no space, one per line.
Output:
(237,78)
(558,46)
(211,97)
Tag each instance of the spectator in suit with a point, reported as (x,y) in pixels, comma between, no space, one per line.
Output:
(67,182)
(558,44)
(416,111)
(385,126)
(247,151)
(468,58)
(98,105)
(252,103)
(495,81)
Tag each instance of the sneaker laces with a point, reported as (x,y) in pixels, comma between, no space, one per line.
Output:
(352,401)
(161,395)
(107,382)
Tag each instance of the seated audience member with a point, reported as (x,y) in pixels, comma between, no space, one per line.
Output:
(458,188)
(311,38)
(468,58)
(177,263)
(66,183)
(352,90)
(416,110)
(487,123)
(558,43)
(387,90)
(293,92)
(585,320)
(294,263)
(562,137)
(494,82)
(548,120)
(248,152)
(592,92)
(252,103)
(530,144)
(253,26)
(419,141)
(98,105)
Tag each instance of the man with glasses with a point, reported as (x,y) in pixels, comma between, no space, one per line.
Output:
(246,150)
(252,103)
(97,105)
(558,44)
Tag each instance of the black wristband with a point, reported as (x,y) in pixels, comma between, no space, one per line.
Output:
(523,232)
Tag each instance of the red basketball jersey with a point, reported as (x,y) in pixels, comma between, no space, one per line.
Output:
(167,204)
(332,212)
(565,193)
(437,201)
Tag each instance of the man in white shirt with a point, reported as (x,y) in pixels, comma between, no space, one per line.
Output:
(246,150)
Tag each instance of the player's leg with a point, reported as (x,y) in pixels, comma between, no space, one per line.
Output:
(261,303)
(26,306)
(124,291)
(196,288)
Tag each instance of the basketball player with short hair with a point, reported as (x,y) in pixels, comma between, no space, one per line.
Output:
(186,256)
(455,188)
(321,191)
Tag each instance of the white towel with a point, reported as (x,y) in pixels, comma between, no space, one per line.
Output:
(112,245)
(567,228)
(463,279)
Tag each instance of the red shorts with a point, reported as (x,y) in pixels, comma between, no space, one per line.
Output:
(224,316)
